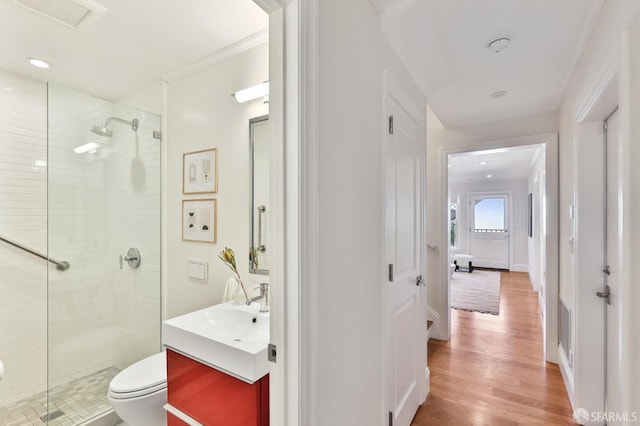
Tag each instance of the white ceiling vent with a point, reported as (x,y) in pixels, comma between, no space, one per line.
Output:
(77,14)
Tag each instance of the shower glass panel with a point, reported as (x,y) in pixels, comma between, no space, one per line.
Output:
(103,199)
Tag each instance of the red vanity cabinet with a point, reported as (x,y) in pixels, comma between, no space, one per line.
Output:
(213,397)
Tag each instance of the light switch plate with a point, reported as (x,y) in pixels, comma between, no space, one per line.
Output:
(197,269)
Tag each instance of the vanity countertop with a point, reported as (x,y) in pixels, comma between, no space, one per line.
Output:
(228,337)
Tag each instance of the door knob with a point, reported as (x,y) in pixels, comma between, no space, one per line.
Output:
(132,258)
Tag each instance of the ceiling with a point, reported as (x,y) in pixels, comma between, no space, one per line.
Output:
(443,44)
(133,44)
(502,164)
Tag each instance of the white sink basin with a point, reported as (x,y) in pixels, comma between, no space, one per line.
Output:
(229,337)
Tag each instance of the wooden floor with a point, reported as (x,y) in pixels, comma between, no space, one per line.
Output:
(492,371)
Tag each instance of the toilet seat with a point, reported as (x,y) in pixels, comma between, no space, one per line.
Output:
(145,377)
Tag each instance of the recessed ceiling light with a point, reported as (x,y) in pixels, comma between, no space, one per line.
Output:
(449,165)
(499,94)
(499,44)
(39,63)
(482,163)
(489,176)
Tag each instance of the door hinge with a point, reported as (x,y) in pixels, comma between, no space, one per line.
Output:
(272,352)
(606,294)
(391,124)
(390,418)
(391,272)
(419,280)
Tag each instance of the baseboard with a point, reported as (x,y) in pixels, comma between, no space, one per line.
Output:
(567,375)
(427,383)
(518,267)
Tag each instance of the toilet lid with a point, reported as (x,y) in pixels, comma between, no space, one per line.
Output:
(147,373)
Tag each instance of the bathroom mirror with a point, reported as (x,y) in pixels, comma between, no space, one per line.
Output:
(259,152)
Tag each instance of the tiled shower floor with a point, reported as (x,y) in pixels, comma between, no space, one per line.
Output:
(79,400)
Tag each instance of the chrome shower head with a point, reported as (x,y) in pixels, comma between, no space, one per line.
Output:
(102,130)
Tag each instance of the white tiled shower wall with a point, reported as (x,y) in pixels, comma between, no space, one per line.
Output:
(23,217)
(99,205)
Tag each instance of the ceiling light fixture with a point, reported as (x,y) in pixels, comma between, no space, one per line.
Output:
(483,163)
(253,92)
(499,44)
(499,94)
(39,63)
(489,176)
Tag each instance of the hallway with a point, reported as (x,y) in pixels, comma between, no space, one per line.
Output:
(492,371)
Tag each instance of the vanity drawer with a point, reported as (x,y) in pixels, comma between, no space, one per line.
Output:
(214,398)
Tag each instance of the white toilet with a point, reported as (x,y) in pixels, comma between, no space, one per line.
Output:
(138,393)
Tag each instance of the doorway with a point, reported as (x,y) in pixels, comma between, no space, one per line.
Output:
(489,217)
(550,170)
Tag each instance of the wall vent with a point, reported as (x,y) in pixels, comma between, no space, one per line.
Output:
(76,14)
(565,331)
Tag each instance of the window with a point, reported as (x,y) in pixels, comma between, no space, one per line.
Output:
(489,215)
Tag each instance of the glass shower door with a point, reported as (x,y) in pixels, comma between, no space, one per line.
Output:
(103,200)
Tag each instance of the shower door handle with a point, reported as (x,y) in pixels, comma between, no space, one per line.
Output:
(261,247)
(132,258)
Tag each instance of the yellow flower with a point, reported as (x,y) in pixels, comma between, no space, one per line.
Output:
(229,258)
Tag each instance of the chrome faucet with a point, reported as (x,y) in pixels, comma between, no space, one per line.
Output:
(263,298)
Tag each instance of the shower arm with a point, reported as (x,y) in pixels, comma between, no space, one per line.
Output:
(60,266)
(133,124)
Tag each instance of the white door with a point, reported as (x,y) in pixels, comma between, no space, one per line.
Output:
(406,310)
(489,233)
(614,375)
(542,238)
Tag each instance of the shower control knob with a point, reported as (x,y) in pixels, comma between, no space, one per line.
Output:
(132,258)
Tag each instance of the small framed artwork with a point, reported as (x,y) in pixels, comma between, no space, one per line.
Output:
(200,171)
(200,220)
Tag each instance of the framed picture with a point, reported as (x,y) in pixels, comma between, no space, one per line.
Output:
(200,171)
(200,220)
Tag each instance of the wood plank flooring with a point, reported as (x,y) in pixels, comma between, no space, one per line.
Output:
(492,371)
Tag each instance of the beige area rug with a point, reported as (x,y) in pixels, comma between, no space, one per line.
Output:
(478,291)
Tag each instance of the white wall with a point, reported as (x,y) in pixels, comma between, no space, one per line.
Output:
(631,155)
(438,139)
(201,115)
(346,335)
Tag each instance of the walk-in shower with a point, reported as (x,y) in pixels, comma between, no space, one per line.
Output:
(103,131)
(66,333)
